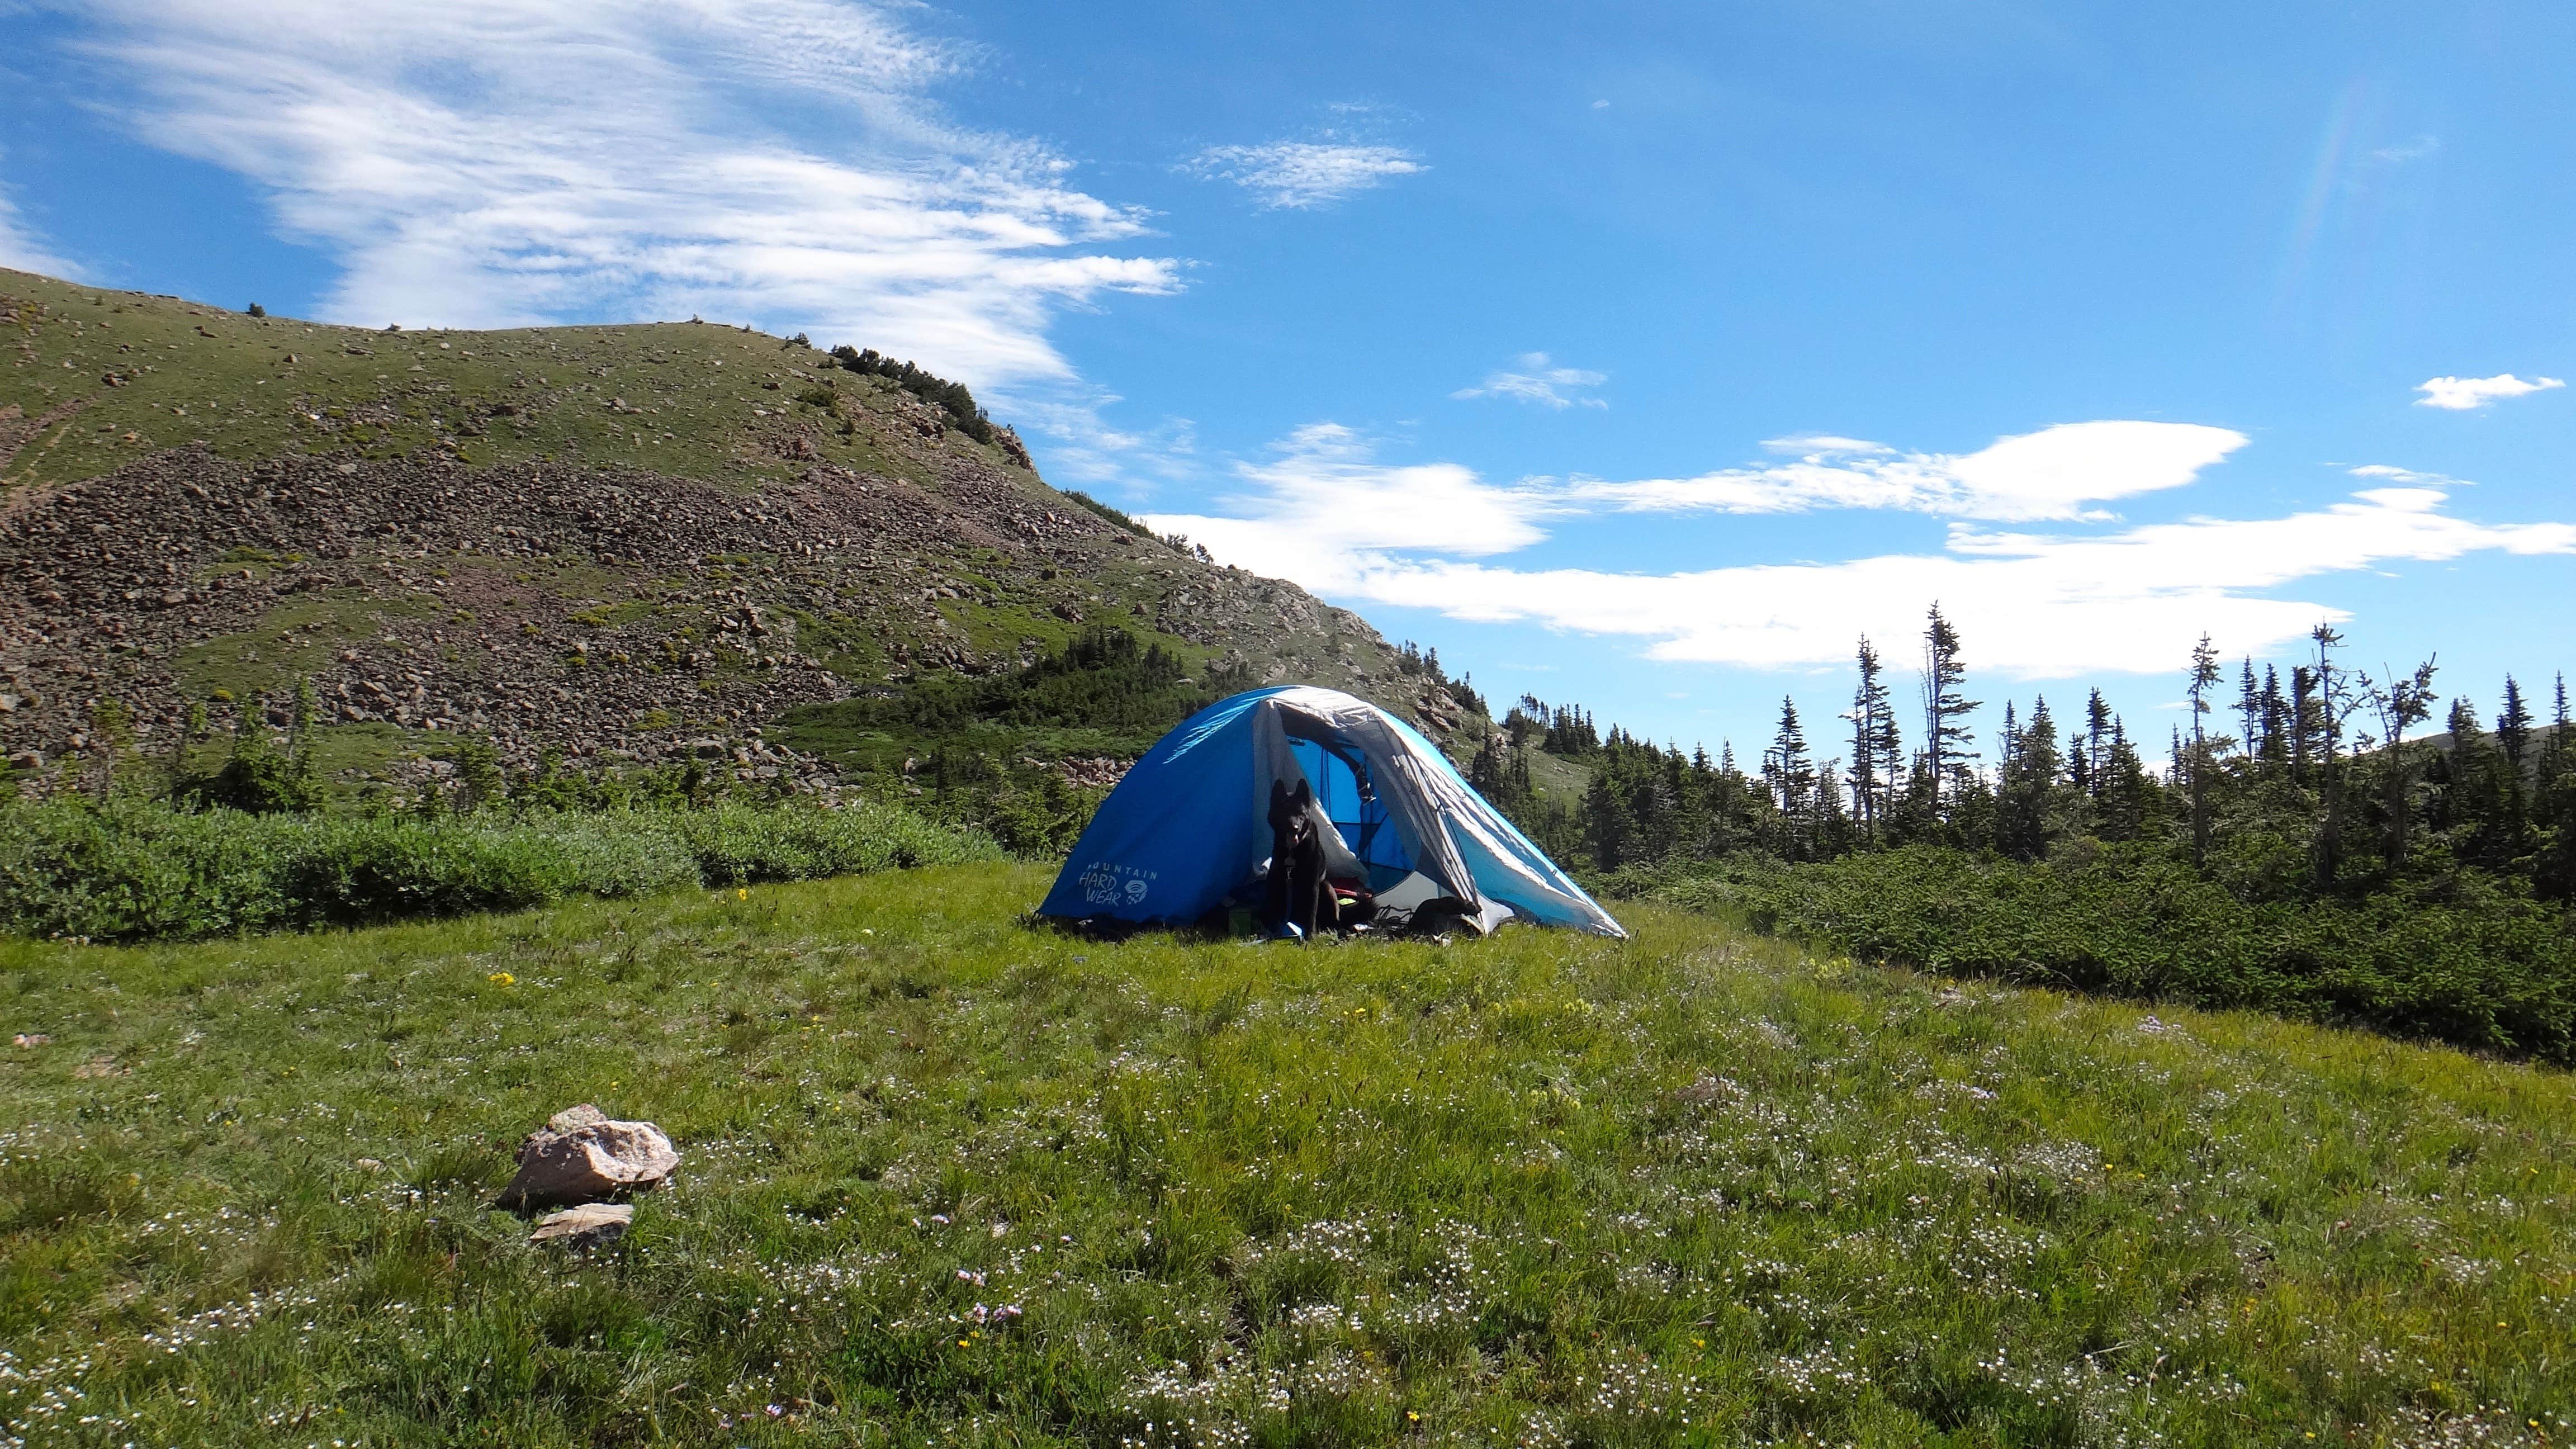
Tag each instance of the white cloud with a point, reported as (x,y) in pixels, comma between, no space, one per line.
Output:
(1538,383)
(2415,150)
(2460,394)
(1325,507)
(2037,605)
(1086,449)
(482,163)
(21,250)
(2410,476)
(1305,173)
(2034,606)
(2049,474)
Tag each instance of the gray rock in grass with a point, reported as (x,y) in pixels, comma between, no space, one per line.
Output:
(581,1155)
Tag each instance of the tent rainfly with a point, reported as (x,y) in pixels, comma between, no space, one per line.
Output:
(1187,828)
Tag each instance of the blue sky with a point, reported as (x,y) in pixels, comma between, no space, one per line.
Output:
(1636,355)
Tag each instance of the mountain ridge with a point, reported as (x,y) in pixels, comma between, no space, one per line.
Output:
(638,543)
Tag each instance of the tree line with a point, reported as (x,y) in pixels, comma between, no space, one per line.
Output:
(2317,780)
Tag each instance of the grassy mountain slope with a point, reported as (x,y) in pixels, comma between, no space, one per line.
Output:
(636,542)
(950,1179)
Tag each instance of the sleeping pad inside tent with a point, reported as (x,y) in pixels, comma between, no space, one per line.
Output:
(1186,834)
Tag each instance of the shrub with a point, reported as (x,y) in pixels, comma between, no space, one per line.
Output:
(130,871)
(2467,961)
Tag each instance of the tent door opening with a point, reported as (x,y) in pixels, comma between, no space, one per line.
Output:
(1349,797)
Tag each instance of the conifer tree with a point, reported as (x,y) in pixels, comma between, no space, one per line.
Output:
(2276,722)
(2307,730)
(2475,799)
(1875,757)
(2204,677)
(2249,706)
(1947,748)
(2554,808)
(2125,787)
(2327,695)
(2028,775)
(2513,726)
(2088,759)
(2399,703)
(1792,778)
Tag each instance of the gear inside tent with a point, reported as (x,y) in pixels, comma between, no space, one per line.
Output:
(1186,836)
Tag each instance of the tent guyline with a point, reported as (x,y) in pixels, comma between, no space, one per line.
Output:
(1224,821)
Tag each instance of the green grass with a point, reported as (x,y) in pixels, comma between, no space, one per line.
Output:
(1695,1187)
(700,401)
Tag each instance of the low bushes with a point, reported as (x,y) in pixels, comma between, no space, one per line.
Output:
(2463,960)
(141,872)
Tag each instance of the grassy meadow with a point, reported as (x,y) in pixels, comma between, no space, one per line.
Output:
(952,1178)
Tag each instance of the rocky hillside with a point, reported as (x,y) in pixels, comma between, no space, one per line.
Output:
(629,542)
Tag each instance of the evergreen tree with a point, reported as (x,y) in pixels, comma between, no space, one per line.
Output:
(2325,689)
(2399,703)
(2275,753)
(2475,796)
(1948,752)
(2027,781)
(2553,800)
(2306,726)
(2127,794)
(2086,762)
(1791,777)
(2249,706)
(2204,677)
(2513,726)
(1875,747)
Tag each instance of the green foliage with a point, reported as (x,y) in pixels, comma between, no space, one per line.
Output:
(1030,808)
(2468,964)
(258,778)
(1114,515)
(2419,886)
(985,752)
(1104,679)
(947,1178)
(134,871)
(952,398)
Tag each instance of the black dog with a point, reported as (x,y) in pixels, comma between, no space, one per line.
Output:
(1296,860)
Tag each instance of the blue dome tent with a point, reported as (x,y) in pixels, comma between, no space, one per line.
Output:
(1188,826)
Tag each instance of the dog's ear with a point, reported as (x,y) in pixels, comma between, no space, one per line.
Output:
(1305,795)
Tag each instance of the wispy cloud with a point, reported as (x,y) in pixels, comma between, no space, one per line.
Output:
(1540,383)
(478,162)
(1297,174)
(2055,473)
(2460,394)
(2415,150)
(2413,477)
(1324,502)
(20,248)
(2040,605)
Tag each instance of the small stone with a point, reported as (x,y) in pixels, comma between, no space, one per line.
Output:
(589,1225)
